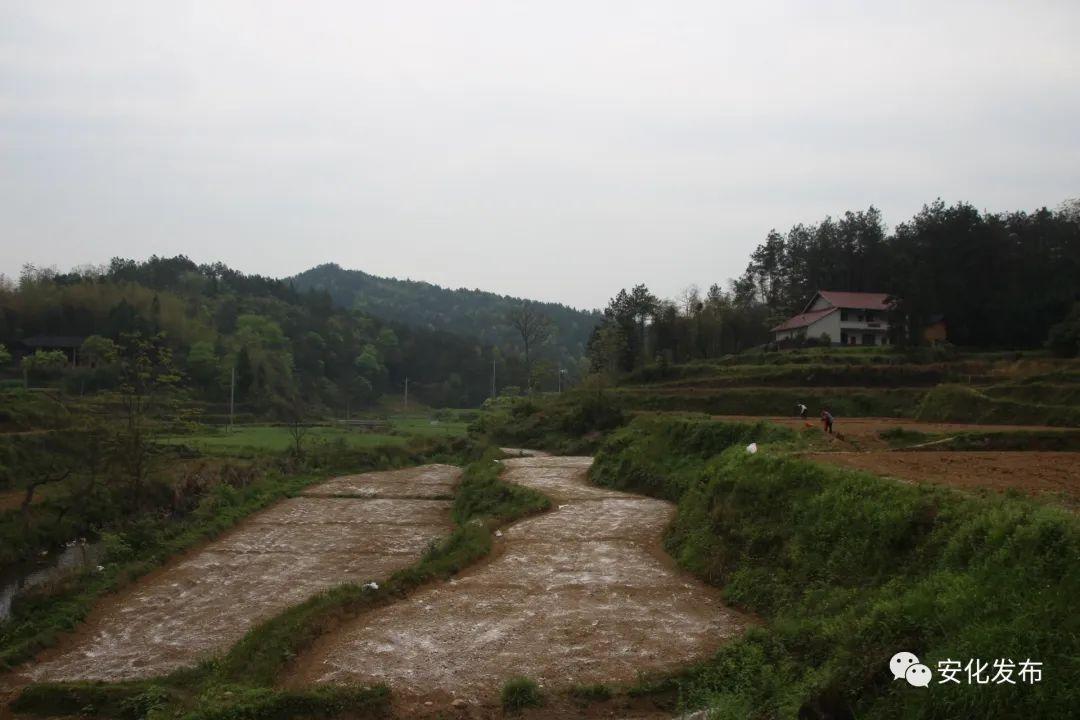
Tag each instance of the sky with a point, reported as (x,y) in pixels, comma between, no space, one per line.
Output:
(552,150)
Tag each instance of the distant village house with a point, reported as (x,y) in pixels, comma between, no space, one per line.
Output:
(847,318)
(67,344)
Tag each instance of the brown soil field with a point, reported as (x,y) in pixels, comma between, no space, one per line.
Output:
(352,529)
(581,594)
(1030,472)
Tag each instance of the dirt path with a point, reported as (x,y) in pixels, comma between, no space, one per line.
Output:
(350,529)
(1029,472)
(581,594)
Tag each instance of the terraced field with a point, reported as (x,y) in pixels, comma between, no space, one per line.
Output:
(582,594)
(351,529)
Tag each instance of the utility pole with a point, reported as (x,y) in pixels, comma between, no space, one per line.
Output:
(232,396)
(406,393)
(560,377)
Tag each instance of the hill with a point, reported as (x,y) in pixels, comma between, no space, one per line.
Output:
(472,313)
(284,344)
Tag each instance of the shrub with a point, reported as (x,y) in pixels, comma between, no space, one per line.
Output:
(45,363)
(597,412)
(519,693)
(570,423)
(1064,338)
(482,495)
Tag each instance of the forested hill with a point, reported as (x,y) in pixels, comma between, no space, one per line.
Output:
(473,313)
(284,345)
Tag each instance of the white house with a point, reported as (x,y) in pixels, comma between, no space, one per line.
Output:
(848,318)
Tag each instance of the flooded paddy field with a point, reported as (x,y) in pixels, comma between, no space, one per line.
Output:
(352,529)
(581,594)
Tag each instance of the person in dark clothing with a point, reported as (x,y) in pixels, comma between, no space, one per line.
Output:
(826,421)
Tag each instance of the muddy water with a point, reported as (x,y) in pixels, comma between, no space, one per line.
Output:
(353,529)
(581,594)
(48,571)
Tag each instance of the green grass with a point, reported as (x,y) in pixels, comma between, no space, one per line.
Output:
(519,693)
(276,439)
(138,700)
(846,569)
(956,403)
(899,437)
(772,401)
(426,427)
(1001,440)
(482,495)
(570,424)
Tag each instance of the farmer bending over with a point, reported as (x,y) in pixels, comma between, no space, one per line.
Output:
(826,421)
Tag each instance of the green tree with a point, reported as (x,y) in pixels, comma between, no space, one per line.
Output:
(5,356)
(45,363)
(245,373)
(269,355)
(387,341)
(147,377)
(203,364)
(1064,338)
(534,328)
(99,351)
(643,305)
(369,374)
(607,347)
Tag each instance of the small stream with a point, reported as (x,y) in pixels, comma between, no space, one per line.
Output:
(59,565)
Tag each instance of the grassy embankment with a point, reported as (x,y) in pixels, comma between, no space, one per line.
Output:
(1006,388)
(253,439)
(848,569)
(1063,440)
(573,423)
(240,684)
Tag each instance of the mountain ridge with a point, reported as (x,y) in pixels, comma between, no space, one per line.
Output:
(476,313)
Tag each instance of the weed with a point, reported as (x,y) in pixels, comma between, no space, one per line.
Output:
(519,693)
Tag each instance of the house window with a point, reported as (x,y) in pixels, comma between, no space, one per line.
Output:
(843,315)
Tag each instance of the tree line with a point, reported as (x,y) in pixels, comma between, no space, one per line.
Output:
(1000,280)
(272,343)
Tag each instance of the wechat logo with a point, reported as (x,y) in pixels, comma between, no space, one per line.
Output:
(907,666)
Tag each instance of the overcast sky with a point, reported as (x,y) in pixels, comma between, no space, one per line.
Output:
(549,149)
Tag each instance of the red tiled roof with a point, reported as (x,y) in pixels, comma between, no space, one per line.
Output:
(804,319)
(854,300)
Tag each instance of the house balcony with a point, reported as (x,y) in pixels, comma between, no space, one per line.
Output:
(860,326)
